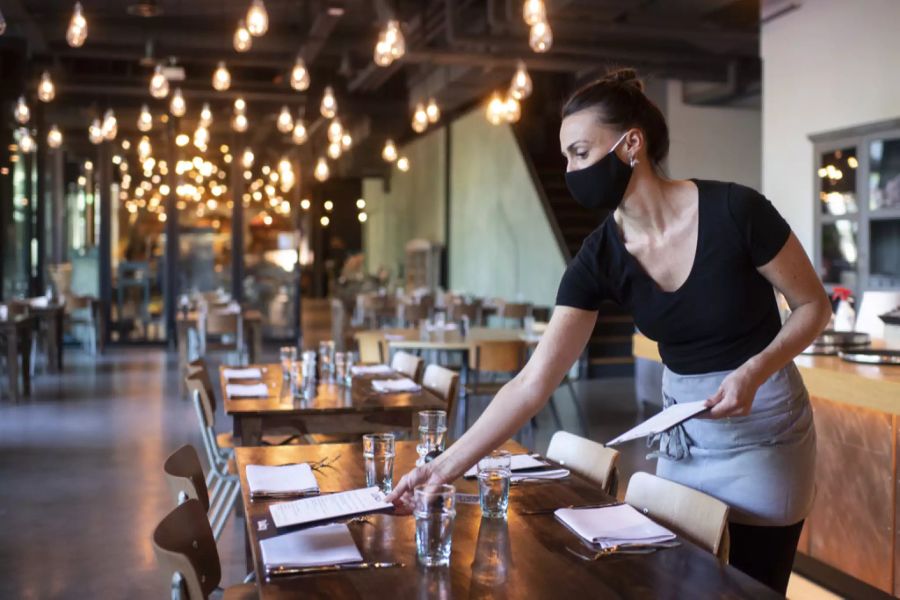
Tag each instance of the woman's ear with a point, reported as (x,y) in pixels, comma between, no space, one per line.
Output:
(633,145)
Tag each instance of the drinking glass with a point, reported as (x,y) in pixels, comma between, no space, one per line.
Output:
(378,451)
(350,359)
(434,510)
(432,432)
(288,356)
(493,484)
(326,354)
(340,366)
(295,376)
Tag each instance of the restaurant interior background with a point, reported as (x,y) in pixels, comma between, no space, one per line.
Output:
(171,153)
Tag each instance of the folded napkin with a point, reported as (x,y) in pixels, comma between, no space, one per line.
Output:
(394,337)
(283,480)
(39,302)
(4,312)
(445,327)
(371,370)
(249,373)
(517,462)
(613,526)
(251,390)
(325,545)
(547,474)
(387,386)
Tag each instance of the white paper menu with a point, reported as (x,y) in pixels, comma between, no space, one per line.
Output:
(330,506)
(670,417)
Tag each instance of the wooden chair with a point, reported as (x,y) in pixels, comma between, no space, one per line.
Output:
(472,310)
(492,363)
(514,311)
(223,331)
(692,514)
(373,345)
(410,314)
(80,315)
(409,365)
(587,458)
(186,552)
(444,384)
(187,482)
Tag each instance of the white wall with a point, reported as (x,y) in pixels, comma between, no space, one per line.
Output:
(828,65)
(712,142)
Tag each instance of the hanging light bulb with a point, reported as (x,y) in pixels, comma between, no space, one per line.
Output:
(76,34)
(159,85)
(520,86)
(534,11)
(144,150)
(328,107)
(240,123)
(285,122)
(382,56)
(389,152)
(145,119)
(334,150)
(95,132)
(512,110)
(432,111)
(221,79)
(2,23)
(240,105)
(110,125)
(299,135)
(26,141)
(540,38)
(54,137)
(321,172)
(46,91)
(420,119)
(257,18)
(206,115)
(201,137)
(335,130)
(299,75)
(22,112)
(346,141)
(242,40)
(496,110)
(394,37)
(247,158)
(177,106)
(403,164)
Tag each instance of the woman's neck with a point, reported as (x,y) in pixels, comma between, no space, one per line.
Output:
(651,203)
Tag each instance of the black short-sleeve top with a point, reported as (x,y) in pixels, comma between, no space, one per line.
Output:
(724,313)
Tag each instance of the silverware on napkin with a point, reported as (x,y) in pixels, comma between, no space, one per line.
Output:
(548,511)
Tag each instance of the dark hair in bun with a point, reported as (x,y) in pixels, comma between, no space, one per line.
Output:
(618,99)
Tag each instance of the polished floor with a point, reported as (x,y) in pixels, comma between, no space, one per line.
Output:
(81,484)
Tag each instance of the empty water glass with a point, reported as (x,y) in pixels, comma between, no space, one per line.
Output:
(340,366)
(288,356)
(295,376)
(432,432)
(378,452)
(350,359)
(434,510)
(493,484)
(326,356)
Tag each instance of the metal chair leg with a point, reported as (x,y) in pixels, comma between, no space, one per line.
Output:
(555,413)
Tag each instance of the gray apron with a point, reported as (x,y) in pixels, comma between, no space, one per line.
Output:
(761,465)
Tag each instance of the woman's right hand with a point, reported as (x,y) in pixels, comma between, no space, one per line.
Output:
(402,494)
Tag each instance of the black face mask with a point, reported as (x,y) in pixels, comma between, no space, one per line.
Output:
(602,185)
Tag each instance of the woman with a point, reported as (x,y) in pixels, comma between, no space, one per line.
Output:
(696,263)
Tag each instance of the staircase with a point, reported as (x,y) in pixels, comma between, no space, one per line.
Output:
(609,349)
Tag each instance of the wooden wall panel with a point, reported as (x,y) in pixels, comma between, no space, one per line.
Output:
(851,526)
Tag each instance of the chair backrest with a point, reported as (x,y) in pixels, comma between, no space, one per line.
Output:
(197,368)
(412,313)
(409,365)
(219,322)
(514,310)
(444,384)
(194,384)
(17,308)
(183,543)
(498,356)
(185,476)
(458,310)
(692,514)
(586,457)
(368,344)
(74,302)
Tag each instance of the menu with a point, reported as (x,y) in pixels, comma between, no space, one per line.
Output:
(328,507)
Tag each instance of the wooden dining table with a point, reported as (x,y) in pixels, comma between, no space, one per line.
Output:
(49,325)
(335,409)
(15,333)
(523,556)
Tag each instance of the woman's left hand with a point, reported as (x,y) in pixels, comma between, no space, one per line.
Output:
(735,395)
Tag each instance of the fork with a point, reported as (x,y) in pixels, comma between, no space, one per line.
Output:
(325,462)
(624,549)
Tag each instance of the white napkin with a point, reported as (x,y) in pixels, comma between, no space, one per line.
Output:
(387,386)
(517,462)
(394,337)
(371,370)
(4,312)
(39,302)
(282,479)
(250,373)
(613,525)
(252,390)
(326,545)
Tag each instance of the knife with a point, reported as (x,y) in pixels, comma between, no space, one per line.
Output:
(294,571)
(547,511)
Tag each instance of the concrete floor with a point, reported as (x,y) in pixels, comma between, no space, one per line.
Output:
(81,483)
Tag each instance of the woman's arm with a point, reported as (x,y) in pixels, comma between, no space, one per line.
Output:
(791,273)
(516,402)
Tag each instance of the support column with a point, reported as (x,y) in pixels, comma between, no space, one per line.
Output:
(237,219)
(58,233)
(170,280)
(27,166)
(103,202)
(41,198)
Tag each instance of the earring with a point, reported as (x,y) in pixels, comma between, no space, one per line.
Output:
(634,161)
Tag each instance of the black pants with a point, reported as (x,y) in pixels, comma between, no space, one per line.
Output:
(765,553)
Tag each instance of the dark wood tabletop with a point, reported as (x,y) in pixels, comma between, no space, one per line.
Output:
(522,557)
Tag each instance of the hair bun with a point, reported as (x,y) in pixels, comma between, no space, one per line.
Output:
(624,77)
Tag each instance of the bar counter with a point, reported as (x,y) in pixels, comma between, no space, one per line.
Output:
(853,526)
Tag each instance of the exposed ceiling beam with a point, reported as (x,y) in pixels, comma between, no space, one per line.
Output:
(17,15)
